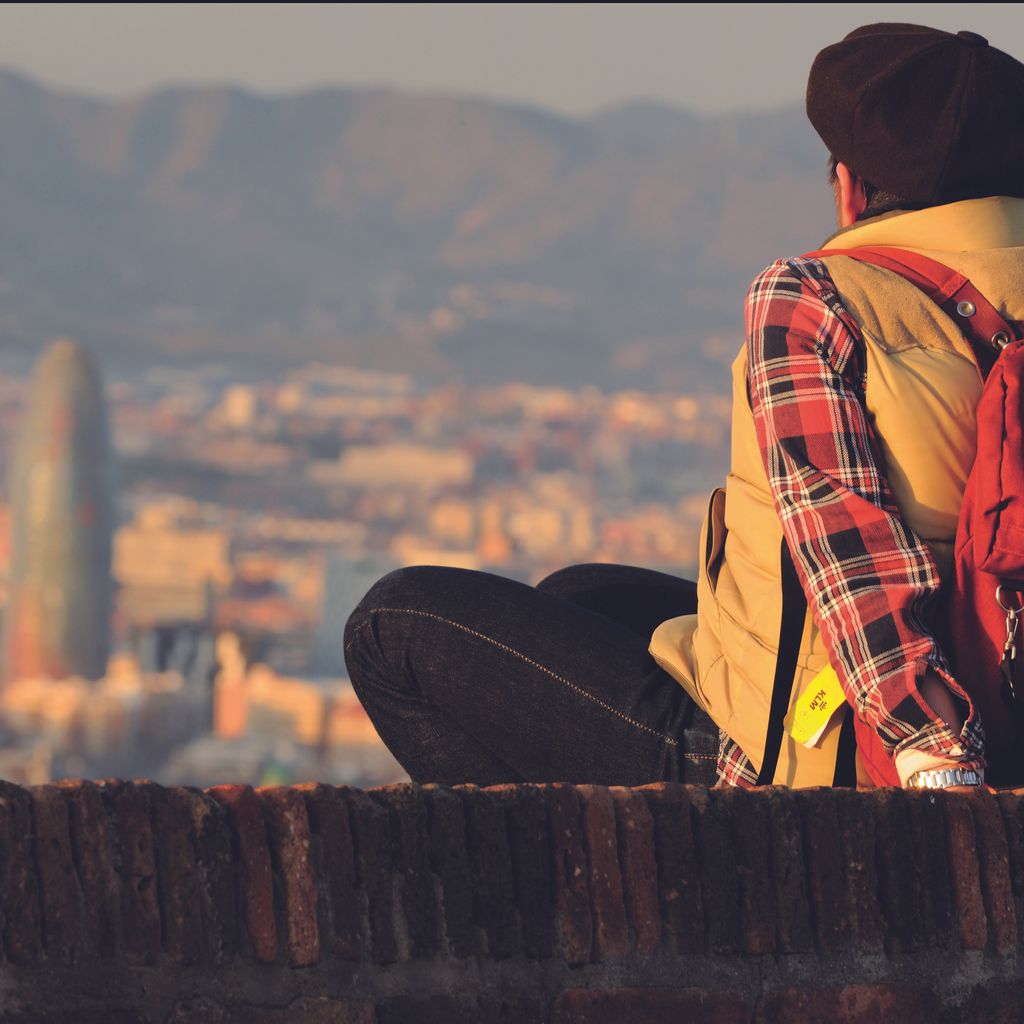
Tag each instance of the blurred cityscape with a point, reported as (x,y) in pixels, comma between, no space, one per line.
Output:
(180,548)
(320,335)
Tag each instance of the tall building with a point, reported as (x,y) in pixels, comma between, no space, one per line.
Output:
(58,614)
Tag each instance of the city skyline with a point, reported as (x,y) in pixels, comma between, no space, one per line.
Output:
(253,516)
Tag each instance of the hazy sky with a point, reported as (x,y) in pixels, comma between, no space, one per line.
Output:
(569,57)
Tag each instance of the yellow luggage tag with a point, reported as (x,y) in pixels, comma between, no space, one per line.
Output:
(815,707)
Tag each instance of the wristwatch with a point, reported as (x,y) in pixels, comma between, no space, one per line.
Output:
(944,778)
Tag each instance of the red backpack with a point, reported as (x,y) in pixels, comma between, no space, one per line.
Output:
(980,626)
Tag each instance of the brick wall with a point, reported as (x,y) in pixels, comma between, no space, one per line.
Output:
(128,902)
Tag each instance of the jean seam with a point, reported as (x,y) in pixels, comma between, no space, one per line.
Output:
(523,657)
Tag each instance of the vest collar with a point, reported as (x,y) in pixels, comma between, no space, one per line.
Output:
(996,222)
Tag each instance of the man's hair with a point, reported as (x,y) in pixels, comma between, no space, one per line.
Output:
(878,200)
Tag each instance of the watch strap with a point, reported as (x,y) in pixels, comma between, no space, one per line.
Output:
(945,778)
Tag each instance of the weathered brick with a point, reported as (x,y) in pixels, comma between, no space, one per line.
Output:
(529,843)
(188,1011)
(490,862)
(716,855)
(371,844)
(508,1008)
(435,1009)
(966,871)
(992,1003)
(316,1010)
(411,845)
(789,875)
(898,882)
(462,1009)
(607,904)
(850,1004)
(749,832)
(215,874)
(574,923)
(341,916)
(449,862)
(826,884)
(94,863)
(90,1012)
(135,862)
(858,841)
(60,894)
(994,858)
(320,1011)
(252,857)
(650,1006)
(19,884)
(679,889)
(929,863)
(284,811)
(1012,806)
(498,1008)
(639,868)
(181,916)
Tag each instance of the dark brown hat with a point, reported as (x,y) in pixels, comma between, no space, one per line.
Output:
(927,115)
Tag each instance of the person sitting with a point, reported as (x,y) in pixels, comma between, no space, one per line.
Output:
(853,426)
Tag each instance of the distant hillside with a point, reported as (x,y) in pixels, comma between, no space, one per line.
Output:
(436,234)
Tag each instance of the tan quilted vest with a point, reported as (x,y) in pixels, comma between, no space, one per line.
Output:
(921,391)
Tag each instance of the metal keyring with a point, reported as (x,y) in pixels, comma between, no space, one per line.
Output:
(999,601)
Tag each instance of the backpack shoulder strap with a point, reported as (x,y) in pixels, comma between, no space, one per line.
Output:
(982,324)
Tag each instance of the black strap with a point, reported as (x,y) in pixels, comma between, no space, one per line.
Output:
(846,757)
(791,630)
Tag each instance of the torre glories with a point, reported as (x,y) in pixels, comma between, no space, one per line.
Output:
(58,614)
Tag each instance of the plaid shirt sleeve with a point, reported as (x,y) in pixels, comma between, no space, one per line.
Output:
(870,581)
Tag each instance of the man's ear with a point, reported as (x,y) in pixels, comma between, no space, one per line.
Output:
(850,198)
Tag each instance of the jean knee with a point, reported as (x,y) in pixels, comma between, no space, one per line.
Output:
(400,588)
(568,580)
(373,598)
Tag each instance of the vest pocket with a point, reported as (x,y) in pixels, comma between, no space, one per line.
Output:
(707,660)
(714,537)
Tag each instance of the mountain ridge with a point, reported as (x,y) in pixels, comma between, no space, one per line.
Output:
(450,236)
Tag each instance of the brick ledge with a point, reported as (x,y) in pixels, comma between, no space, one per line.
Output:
(141,903)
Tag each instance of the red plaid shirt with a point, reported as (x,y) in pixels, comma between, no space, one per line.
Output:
(870,581)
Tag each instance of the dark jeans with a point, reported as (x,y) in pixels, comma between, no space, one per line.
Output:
(471,677)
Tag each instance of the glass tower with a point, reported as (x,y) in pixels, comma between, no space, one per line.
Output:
(58,616)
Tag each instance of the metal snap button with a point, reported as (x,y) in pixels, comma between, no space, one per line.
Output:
(1000,339)
(965,308)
